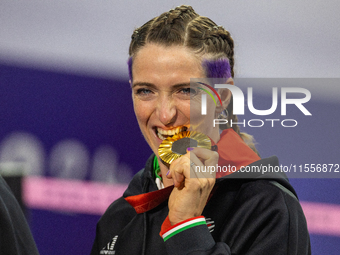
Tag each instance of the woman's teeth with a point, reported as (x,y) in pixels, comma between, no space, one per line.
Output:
(160,136)
(163,134)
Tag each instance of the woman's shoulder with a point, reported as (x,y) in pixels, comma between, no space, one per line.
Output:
(120,207)
(262,189)
(142,180)
(274,192)
(267,210)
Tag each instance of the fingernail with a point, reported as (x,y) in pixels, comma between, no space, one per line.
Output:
(190,149)
(168,173)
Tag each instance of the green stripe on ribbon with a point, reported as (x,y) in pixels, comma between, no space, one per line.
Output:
(184,228)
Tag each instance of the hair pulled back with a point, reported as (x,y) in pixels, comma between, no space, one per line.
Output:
(182,26)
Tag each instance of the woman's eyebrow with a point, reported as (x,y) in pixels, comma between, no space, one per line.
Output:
(147,84)
(181,85)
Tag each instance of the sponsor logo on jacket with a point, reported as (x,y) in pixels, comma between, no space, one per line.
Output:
(109,248)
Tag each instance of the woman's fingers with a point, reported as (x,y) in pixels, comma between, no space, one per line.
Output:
(178,171)
(207,157)
(209,161)
(198,163)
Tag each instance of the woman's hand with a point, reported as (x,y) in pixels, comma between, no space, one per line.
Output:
(192,185)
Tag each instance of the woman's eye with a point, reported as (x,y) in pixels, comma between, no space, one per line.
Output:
(188,91)
(143,92)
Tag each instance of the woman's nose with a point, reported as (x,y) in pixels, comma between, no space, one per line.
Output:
(166,110)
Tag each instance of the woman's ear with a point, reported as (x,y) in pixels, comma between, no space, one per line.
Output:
(225,96)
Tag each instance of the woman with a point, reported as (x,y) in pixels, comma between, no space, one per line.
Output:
(179,210)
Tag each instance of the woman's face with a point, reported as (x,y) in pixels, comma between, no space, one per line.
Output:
(162,99)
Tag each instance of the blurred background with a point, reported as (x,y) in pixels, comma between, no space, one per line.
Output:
(67,127)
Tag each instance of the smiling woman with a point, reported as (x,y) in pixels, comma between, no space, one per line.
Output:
(179,209)
(161,91)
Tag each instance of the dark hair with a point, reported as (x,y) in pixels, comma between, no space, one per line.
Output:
(182,26)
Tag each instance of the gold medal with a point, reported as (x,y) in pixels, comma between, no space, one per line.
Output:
(176,146)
